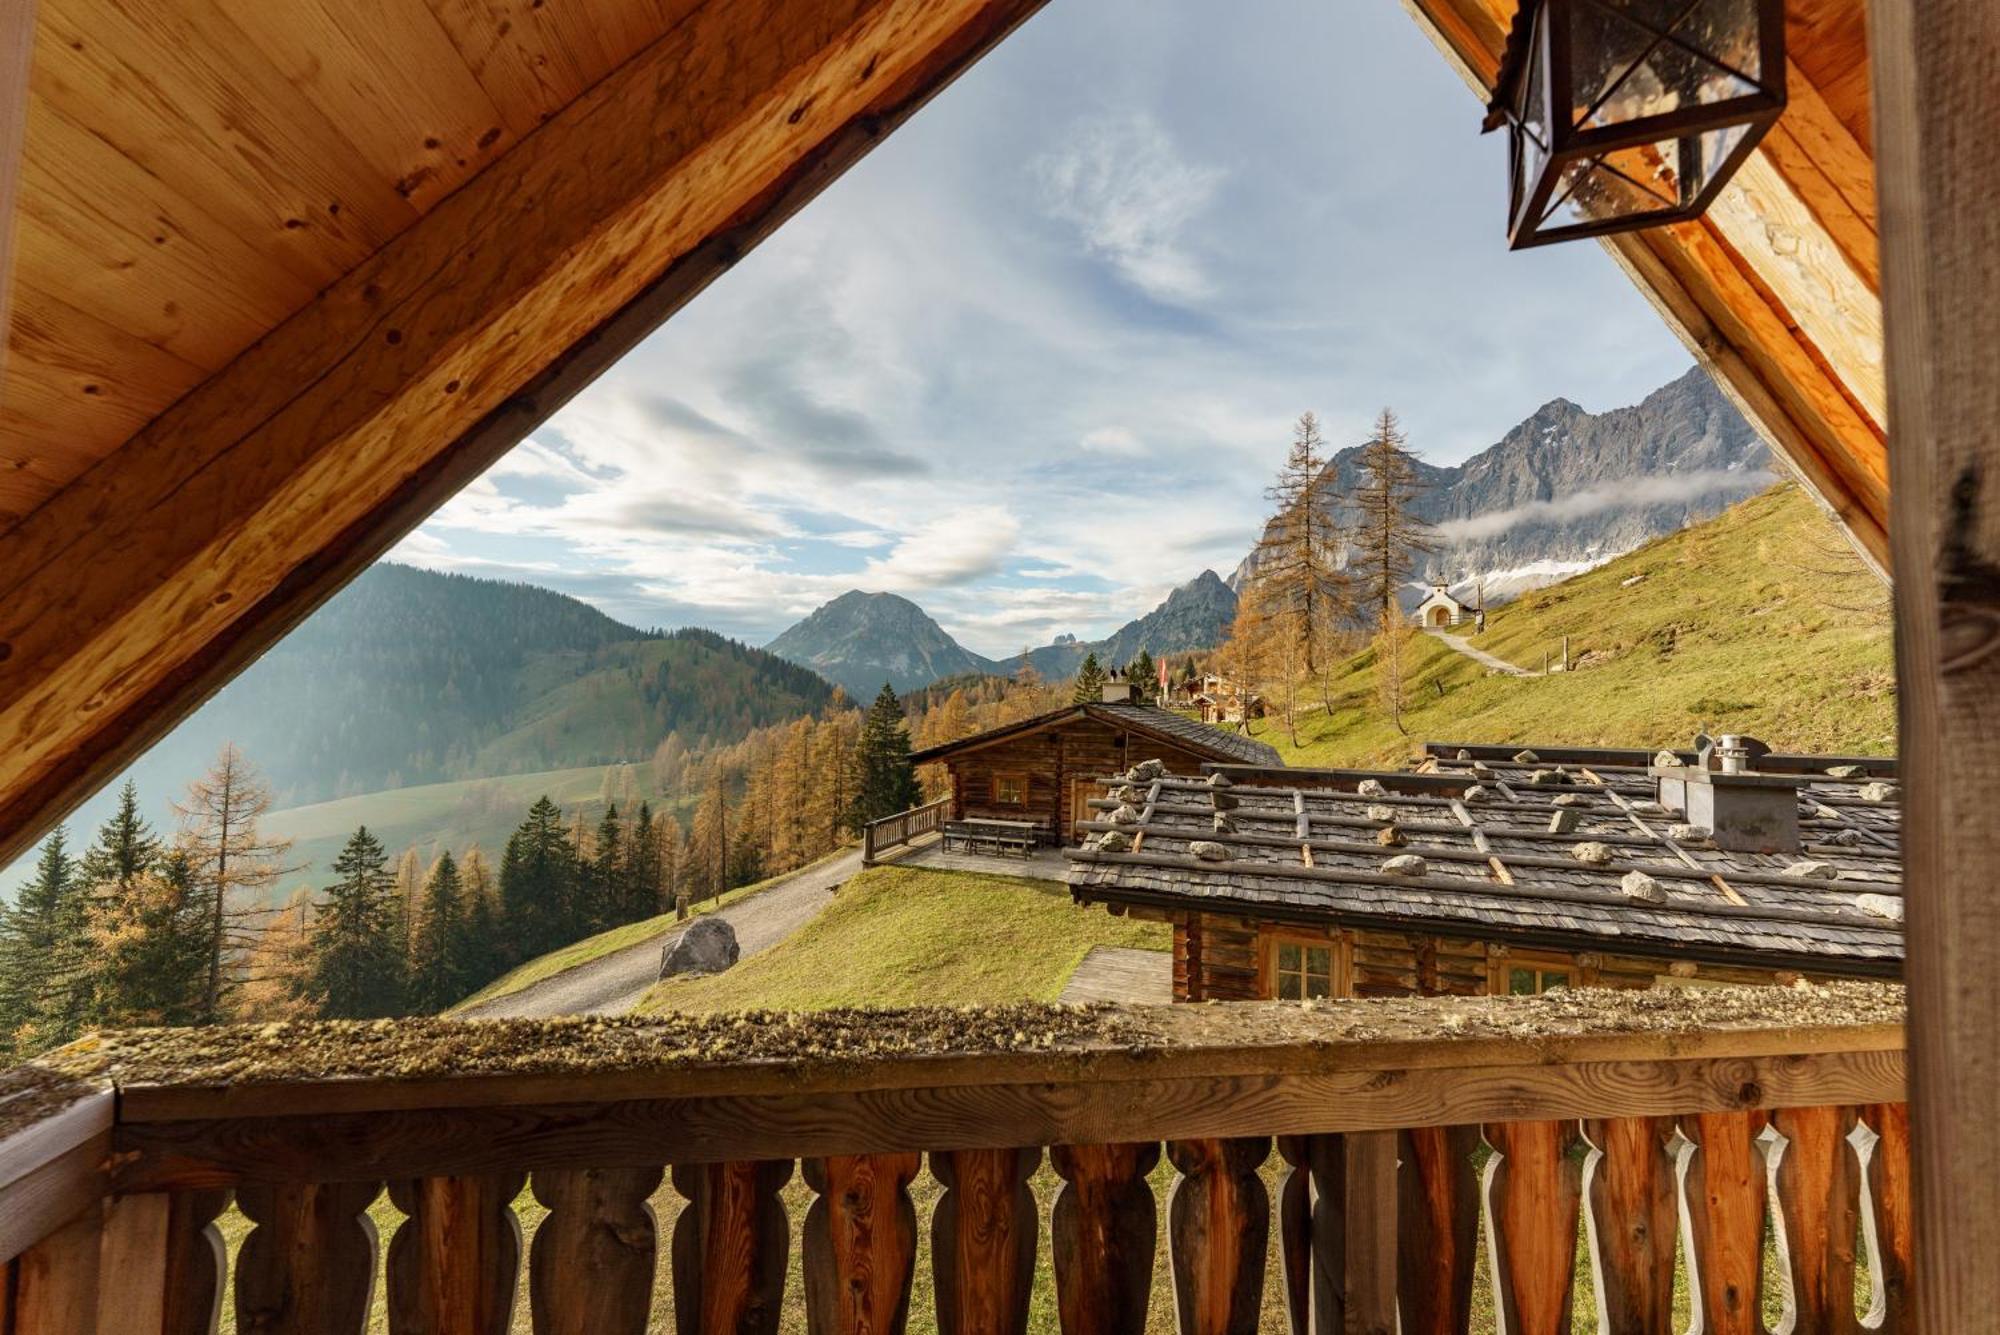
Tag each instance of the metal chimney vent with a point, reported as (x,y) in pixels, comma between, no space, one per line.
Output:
(1744,811)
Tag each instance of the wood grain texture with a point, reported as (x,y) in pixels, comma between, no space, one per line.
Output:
(860,1244)
(1633,1219)
(56,1280)
(308,1265)
(1818,1193)
(1372,1233)
(44,1198)
(1104,1230)
(1437,1228)
(1723,1200)
(1533,1188)
(301,453)
(1218,1230)
(456,1259)
(1932,65)
(590,1271)
(983,1240)
(133,1261)
(731,1246)
(17,46)
(195,1263)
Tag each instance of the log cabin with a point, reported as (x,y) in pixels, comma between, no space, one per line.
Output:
(1046,769)
(1505,872)
(276,280)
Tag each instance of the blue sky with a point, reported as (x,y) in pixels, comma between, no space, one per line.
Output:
(1033,362)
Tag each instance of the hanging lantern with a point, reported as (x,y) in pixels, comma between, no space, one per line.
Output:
(1631,113)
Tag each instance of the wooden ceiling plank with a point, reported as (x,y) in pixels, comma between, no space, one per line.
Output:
(1828,41)
(61,352)
(184,95)
(138,588)
(387,72)
(17,49)
(516,52)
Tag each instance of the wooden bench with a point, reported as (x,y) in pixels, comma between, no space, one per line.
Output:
(1015,837)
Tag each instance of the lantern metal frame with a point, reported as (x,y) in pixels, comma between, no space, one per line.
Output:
(1542,36)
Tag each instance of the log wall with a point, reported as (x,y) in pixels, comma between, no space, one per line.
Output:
(1052,760)
(1221,957)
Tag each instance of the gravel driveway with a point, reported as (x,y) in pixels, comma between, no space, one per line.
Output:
(613,984)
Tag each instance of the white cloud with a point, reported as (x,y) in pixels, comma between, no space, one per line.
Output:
(1113,440)
(1122,183)
(952,548)
(1627,493)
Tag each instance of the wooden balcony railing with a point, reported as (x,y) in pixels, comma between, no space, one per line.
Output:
(1415,1142)
(878,836)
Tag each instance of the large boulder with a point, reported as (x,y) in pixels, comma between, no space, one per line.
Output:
(707,946)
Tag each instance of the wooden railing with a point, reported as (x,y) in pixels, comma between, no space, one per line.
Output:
(1415,1142)
(890,831)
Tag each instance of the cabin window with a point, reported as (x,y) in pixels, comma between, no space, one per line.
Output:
(1301,970)
(1010,790)
(1532,979)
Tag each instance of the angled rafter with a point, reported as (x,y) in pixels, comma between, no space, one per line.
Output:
(141,587)
(17,46)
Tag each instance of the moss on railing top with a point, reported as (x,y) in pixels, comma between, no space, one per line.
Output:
(1405,1031)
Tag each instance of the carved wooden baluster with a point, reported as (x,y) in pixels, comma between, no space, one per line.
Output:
(1533,1190)
(1309,1242)
(1818,1183)
(590,1271)
(1105,1231)
(1219,1223)
(860,1244)
(983,1240)
(308,1268)
(731,1246)
(1723,1197)
(455,1261)
(1889,1201)
(1633,1221)
(195,1261)
(1437,1229)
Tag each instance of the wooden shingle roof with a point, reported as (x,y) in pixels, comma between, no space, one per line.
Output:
(1212,743)
(1306,846)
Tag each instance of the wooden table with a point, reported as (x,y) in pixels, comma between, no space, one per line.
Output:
(1018,837)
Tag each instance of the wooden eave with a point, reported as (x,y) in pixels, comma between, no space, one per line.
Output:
(1056,718)
(286,277)
(1777,290)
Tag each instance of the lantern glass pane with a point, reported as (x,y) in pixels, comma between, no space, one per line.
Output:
(1604,47)
(1716,146)
(1591,190)
(1726,32)
(1700,55)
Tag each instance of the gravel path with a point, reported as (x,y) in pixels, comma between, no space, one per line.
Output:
(613,984)
(1480,656)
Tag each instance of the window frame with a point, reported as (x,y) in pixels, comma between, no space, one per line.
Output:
(1501,967)
(1004,776)
(1269,944)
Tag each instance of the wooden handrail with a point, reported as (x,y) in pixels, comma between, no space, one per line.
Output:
(886,832)
(1371,1103)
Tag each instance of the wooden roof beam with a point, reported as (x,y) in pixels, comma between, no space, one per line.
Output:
(140,588)
(1774,290)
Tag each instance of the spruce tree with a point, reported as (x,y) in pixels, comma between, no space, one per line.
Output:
(443,958)
(606,878)
(44,992)
(888,779)
(537,884)
(1089,688)
(125,847)
(645,889)
(149,944)
(1144,674)
(354,968)
(486,954)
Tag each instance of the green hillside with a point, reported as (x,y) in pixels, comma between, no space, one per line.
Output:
(1759,621)
(908,936)
(435,816)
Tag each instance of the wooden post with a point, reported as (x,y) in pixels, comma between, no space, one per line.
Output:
(17,49)
(1932,64)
